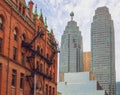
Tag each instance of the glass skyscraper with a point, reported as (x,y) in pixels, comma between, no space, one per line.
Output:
(103,49)
(117,88)
(71,51)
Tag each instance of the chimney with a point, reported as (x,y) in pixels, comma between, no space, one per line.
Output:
(30,4)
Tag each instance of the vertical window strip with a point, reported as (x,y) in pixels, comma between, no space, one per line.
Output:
(14,76)
(22,58)
(1,42)
(46,89)
(14,53)
(15,34)
(21,80)
(1,23)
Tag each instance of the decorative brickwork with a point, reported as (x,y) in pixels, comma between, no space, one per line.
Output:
(28,54)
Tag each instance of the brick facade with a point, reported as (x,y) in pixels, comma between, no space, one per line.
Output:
(28,51)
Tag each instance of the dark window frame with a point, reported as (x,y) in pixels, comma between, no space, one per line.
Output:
(22,58)
(50,91)
(14,53)
(15,34)
(14,77)
(0,75)
(1,44)
(38,49)
(20,7)
(1,23)
(41,67)
(0,66)
(53,91)
(21,81)
(23,37)
(46,89)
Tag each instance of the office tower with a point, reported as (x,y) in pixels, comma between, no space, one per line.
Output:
(103,49)
(71,52)
(117,88)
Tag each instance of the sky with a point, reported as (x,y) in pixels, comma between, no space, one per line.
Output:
(58,14)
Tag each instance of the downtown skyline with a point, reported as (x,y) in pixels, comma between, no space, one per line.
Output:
(58,12)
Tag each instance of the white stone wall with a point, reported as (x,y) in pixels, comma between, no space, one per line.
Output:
(79,84)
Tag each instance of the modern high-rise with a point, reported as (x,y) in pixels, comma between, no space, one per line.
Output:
(71,52)
(103,49)
(117,88)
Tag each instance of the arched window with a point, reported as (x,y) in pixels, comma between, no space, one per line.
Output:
(38,48)
(47,55)
(23,37)
(15,34)
(41,51)
(1,23)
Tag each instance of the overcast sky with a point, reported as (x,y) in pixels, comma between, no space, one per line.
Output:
(58,14)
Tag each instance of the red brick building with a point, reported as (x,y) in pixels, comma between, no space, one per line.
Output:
(28,51)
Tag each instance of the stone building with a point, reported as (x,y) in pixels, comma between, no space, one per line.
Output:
(79,83)
(28,51)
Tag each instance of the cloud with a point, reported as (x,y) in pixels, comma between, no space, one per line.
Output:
(57,12)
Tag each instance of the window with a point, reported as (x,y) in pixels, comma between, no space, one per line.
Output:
(15,34)
(53,77)
(0,66)
(1,41)
(47,71)
(46,89)
(14,53)
(20,6)
(23,10)
(23,37)
(1,23)
(53,93)
(38,28)
(22,58)
(47,56)
(37,65)
(49,90)
(0,75)
(38,48)
(41,51)
(41,67)
(21,80)
(50,73)
(14,75)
